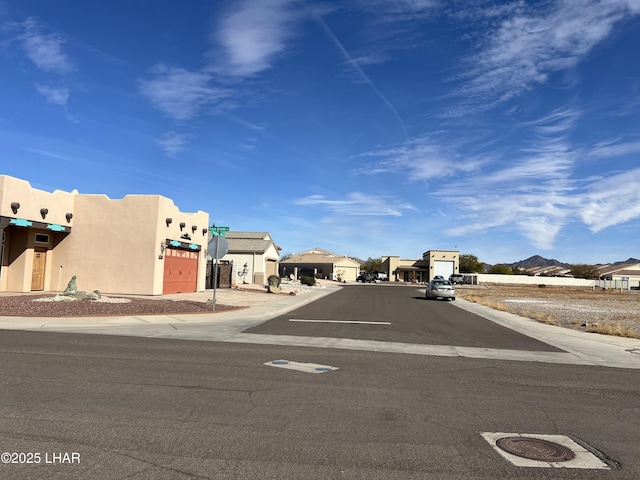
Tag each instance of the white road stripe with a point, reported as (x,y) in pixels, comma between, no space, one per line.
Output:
(339,321)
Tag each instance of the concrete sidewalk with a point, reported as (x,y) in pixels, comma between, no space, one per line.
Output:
(218,325)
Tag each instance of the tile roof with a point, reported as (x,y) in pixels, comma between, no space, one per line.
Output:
(239,245)
(624,267)
(251,235)
(310,257)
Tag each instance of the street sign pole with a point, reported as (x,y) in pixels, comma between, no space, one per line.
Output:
(215,276)
(217,232)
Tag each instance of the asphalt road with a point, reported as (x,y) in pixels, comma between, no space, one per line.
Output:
(144,408)
(402,313)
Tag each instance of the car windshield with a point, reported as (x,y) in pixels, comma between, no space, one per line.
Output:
(441,282)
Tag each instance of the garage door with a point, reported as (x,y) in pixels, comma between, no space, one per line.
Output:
(442,268)
(180,271)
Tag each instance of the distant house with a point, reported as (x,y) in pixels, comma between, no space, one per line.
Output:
(623,274)
(139,244)
(320,262)
(548,270)
(254,256)
(433,263)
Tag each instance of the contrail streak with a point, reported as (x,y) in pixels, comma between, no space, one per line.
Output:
(363,75)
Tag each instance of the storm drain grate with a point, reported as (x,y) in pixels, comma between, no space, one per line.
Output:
(535,449)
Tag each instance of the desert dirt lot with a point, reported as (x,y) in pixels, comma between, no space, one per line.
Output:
(609,312)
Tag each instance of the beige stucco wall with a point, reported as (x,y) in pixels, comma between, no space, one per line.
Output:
(31,200)
(433,256)
(115,246)
(256,265)
(17,262)
(346,271)
(389,265)
(19,255)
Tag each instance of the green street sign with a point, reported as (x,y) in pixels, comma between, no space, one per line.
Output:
(214,229)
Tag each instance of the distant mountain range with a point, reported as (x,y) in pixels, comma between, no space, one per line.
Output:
(538,261)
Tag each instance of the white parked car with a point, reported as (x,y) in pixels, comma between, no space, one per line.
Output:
(381,276)
(440,288)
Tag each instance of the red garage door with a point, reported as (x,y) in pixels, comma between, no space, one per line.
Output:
(180,271)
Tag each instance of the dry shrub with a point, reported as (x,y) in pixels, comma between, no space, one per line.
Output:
(486,302)
(613,328)
(543,318)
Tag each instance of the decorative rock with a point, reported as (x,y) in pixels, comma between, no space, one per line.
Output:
(71,286)
(274,284)
(71,293)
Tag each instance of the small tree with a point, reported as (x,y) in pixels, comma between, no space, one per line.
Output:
(470,264)
(310,281)
(501,269)
(372,265)
(286,256)
(584,271)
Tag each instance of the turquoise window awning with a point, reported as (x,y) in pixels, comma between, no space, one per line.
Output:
(20,222)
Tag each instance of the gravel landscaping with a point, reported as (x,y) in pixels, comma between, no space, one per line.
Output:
(44,306)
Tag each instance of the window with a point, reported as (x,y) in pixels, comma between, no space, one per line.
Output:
(42,238)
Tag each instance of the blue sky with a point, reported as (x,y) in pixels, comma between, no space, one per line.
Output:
(365,127)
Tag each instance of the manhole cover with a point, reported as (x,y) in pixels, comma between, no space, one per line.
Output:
(535,449)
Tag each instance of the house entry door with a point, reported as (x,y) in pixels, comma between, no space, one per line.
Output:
(37,272)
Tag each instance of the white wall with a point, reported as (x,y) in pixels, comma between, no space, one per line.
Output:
(527,280)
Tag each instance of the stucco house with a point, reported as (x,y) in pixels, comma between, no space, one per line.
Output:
(318,261)
(140,244)
(254,256)
(625,275)
(432,263)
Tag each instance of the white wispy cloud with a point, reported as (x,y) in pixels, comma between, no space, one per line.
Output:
(358,204)
(538,216)
(45,50)
(527,45)
(399,10)
(420,159)
(173,142)
(614,148)
(540,195)
(253,35)
(611,201)
(532,197)
(181,93)
(530,191)
(247,40)
(54,95)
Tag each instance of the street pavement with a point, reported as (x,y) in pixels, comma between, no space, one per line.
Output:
(570,346)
